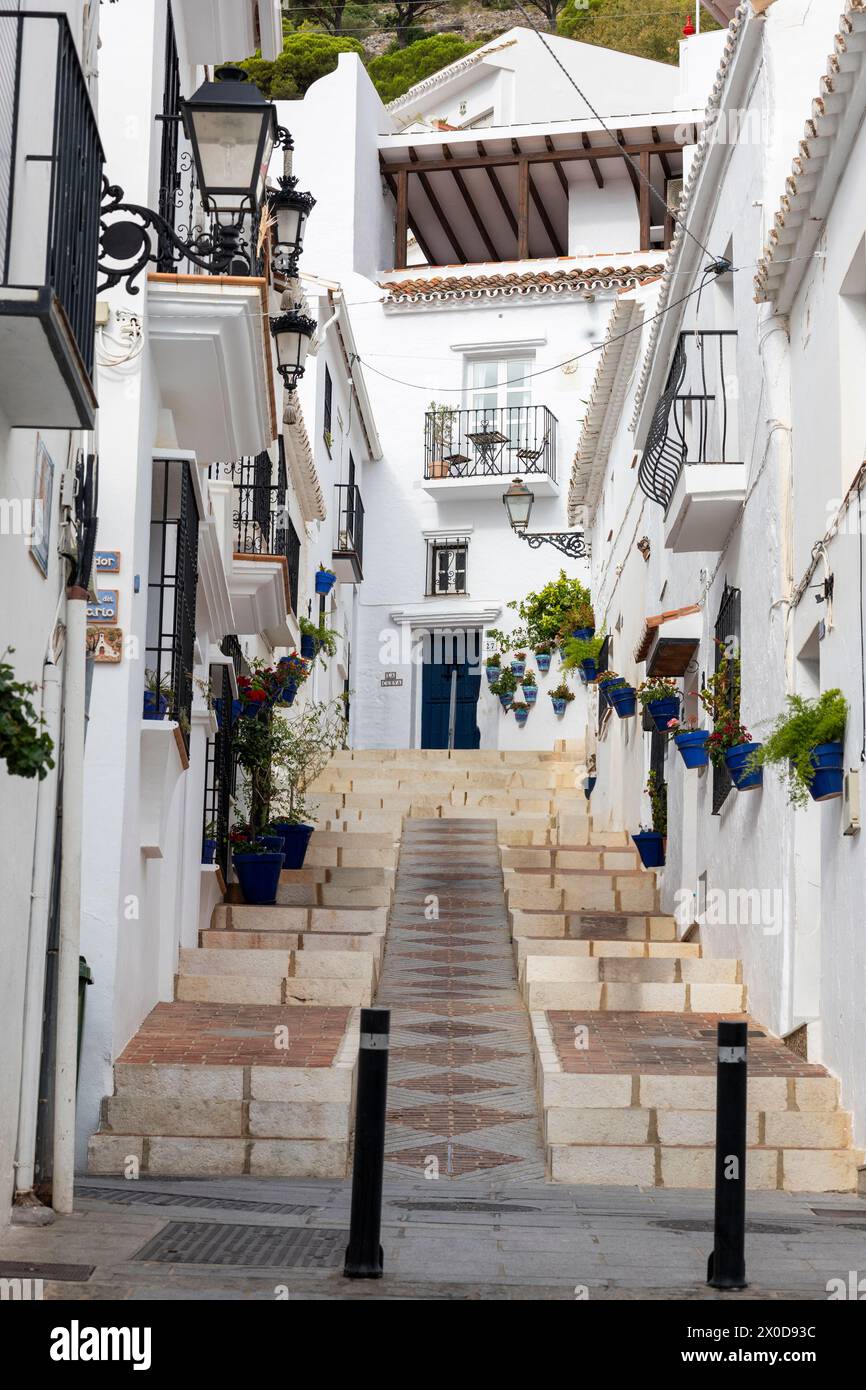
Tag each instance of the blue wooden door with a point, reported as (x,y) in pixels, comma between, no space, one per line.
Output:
(436,694)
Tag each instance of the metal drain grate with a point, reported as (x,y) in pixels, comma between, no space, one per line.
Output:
(124,1197)
(23,1269)
(271,1247)
(493,1208)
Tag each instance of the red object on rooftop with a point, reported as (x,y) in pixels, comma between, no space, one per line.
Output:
(688,27)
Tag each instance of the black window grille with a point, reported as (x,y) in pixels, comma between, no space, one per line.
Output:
(657,767)
(727,644)
(221,775)
(605,657)
(230,646)
(447,565)
(349,543)
(329,406)
(172,586)
(170,176)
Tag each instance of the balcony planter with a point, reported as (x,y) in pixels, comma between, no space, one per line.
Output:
(258,875)
(826,759)
(155,706)
(208,851)
(530,693)
(624,700)
(663,711)
(308,648)
(692,744)
(542,660)
(736,758)
(325,581)
(295,839)
(651,848)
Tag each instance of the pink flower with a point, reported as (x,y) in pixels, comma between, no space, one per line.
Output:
(673,723)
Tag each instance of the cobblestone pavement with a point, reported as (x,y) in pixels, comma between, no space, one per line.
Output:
(461,1083)
(233,1238)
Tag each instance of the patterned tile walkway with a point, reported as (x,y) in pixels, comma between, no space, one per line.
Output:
(461,1075)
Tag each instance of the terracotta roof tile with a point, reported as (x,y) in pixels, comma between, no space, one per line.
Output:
(439,287)
(641,651)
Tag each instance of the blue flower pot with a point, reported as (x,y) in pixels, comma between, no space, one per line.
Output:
(559,705)
(155,706)
(663,711)
(492,673)
(826,759)
(583,634)
(259,876)
(588,784)
(253,709)
(530,694)
(650,847)
(693,747)
(308,647)
(624,700)
(505,701)
(735,761)
(610,683)
(543,662)
(208,850)
(289,691)
(273,842)
(521,715)
(588,668)
(517,669)
(295,839)
(325,581)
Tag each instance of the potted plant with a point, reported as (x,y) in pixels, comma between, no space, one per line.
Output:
(257,865)
(650,846)
(493,667)
(505,687)
(561,697)
(24,746)
(325,580)
(542,651)
(579,622)
(660,697)
(806,743)
(530,687)
(157,695)
(731,743)
(209,842)
(581,654)
(440,426)
(520,709)
(691,742)
(518,665)
(544,612)
(302,750)
(291,671)
(606,680)
(623,697)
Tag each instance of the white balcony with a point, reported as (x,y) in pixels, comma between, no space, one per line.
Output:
(706,501)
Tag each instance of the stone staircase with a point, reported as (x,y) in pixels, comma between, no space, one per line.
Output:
(624,1019)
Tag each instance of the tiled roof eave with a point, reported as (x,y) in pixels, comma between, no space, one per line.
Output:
(822,155)
(617,358)
(465,287)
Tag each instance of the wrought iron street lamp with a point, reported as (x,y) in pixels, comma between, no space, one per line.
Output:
(518,500)
(290,209)
(292,332)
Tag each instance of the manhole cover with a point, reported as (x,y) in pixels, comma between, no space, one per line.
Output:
(206,1243)
(128,1196)
(23,1269)
(753,1228)
(494,1208)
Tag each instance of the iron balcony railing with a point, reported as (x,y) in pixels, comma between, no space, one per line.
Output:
(262,524)
(172,587)
(349,542)
(695,420)
(50,171)
(489,443)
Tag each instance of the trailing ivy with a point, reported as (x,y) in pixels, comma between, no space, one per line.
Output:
(26,751)
(798,730)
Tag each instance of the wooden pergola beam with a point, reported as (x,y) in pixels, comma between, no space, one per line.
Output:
(563,181)
(437,209)
(593,162)
(523,210)
(413,228)
(472,210)
(499,191)
(540,208)
(494,161)
(663,159)
(630,169)
(645,203)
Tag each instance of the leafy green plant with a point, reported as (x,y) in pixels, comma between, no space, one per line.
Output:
(578,649)
(656,688)
(306,57)
(441,426)
(529,678)
(730,733)
(394,73)
(493,660)
(544,611)
(581,616)
(562,692)
(26,751)
(325,638)
(800,728)
(158,685)
(304,747)
(652,29)
(658,794)
(518,704)
(506,684)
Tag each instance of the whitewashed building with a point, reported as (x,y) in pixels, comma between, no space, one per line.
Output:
(720,468)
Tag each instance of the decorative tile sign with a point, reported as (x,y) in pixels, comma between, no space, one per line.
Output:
(107,562)
(104,610)
(105,644)
(391,678)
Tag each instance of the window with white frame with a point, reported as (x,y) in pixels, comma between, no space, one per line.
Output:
(447,563)
(499,397)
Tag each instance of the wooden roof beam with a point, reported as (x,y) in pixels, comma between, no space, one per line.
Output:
(593,163)
(498,190)
(562,156)
(473,211)
(437,208)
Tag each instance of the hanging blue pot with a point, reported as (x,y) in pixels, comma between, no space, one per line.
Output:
(517,669)
(624,700)
(583,634)
(325,581)
(155,706)
(559,705)
(608,684)
(493,673)
(588,784)
(308,647)
(735,761)
(663,711)
(588,668)
(826,759)
(208,850)
(521,715)
(530,694)
(650,847)
(543,662)
(505,701)
(273,842)
(692,744)
(259,876)
(289,691)
(295,840)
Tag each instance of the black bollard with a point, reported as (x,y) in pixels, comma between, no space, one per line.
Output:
(364,1253)
(726,1268)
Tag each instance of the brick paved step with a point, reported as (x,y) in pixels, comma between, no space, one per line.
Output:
(354,876)
(524,946)
(614,893)
(536,969)
(637,996)
(293,892)
(595,925)
(237,976)
(551,858)
(350,920)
